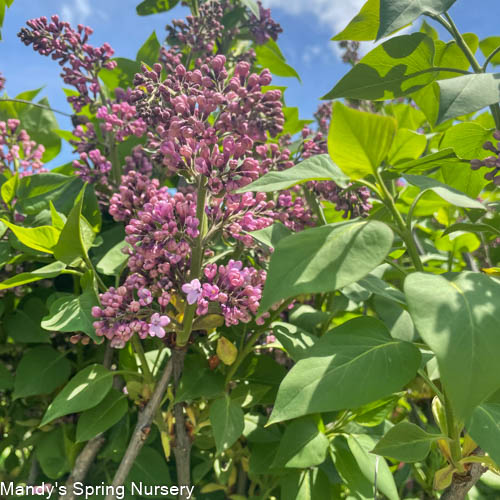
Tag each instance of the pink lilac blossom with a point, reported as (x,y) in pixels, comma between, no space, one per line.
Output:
(18,153)
(81,61)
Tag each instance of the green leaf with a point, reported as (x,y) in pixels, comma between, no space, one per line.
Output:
(227,421)
(450,55)
(395,14)
(150,51)
(121,76)
(252,6)
(447,193)
(23,329)
(407,146)
(198,381)
(114,260)
(324,259)
(40,124)
(103,416)
(466,94)
(358,142)
(51,453)
(45,272)
(372,468)
(467,140)
(363,27)
(40,371)
(76,237)
(295,340)
(319,167)
(488,45)
(379,287)
(395,68)
(149,469)
(6,379)
(458,317)
(36,191)
(155,6)
(429,30)
(429,161)
(406,115)
(305,484)
(85,390)
(73,314)
(268,57)
(484,428)
(8,190)
(293,123)
(354,364)
(471,228)
(270,235)
(42,238)
(406,442)
(301,446)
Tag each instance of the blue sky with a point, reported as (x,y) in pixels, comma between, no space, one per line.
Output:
(308,26)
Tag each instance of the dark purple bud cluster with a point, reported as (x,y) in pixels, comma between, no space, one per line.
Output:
(18,153)
(94,167)
(81,62)
(199,32)
(492,162)
(323,115)
(264,27)
(351,51)
(2,82)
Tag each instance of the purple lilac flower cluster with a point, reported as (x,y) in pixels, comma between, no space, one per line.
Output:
(264,27)
(178,112)
(492,162)
(2,82)
(81,62)
(18,153)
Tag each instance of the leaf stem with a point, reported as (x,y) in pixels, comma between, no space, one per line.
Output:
(405,232)
(454,435)
(490,57)
(432,385)
(36,104)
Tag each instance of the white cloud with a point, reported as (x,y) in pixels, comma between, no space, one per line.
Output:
(78,11)
(335,14)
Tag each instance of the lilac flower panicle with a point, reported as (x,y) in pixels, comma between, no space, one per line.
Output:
(81,62)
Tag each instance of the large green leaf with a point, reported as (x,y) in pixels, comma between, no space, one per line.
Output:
(488,45)
(71,313)
(484,428)
(150,51)
(427,162)
(305,484)
(319,168)
(324,259)
(148,7)
(6,378)
(294,340)
(48,271)
(114,260)
(364,26)
(149,469)
(354,364)
(458,316)
(358,142)
(395,14)
(408,145)
(227,422)
(40,371)
(198,381)
(42,238)
(467,140)
(103,416)
(85,390)
(270,235)
(447,193)
(395,68)
(301,446)
(269,57)
(52,453)
(76,237)
(406,442)
(25,329)
(466,94)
